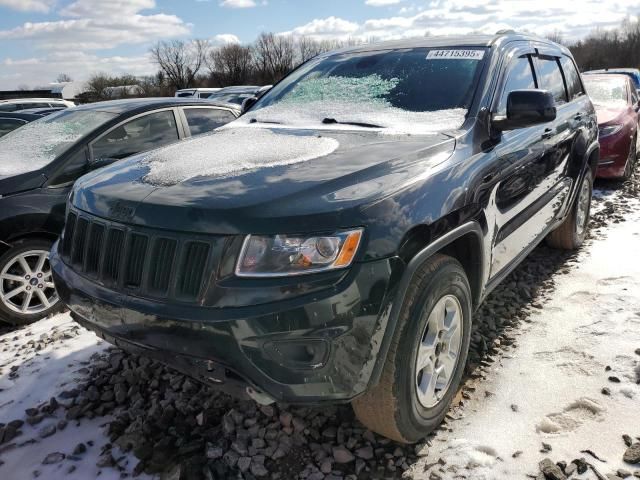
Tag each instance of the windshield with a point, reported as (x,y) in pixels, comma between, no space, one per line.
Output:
(606,91)
(38,143)
(409,90)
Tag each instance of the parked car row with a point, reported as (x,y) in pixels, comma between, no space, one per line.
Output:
(332,243)
(40,162)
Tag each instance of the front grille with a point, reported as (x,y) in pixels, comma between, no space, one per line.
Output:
(139,260)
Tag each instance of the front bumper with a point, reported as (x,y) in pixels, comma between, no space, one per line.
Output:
(316,348)
(614,152)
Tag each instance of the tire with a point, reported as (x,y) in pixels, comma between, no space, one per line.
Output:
(393,408)
(631,160)
(20,308)
(571,233)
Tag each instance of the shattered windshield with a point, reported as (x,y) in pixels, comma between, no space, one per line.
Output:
(607,91)
(38,143)
(409,90)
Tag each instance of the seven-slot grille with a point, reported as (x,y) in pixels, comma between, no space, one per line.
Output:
(137,260)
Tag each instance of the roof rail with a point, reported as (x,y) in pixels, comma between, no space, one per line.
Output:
(504,31)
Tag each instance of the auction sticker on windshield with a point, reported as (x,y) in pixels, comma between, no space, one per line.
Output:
(455,55)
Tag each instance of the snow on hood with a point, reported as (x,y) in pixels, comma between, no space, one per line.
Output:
(348,99)
(225,152)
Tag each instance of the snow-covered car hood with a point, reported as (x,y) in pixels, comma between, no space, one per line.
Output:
(220,182)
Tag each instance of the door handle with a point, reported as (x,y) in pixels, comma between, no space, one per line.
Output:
(548,133)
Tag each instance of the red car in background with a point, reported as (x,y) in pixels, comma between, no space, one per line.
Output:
(616,101)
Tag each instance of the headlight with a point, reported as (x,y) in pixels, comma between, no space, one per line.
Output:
(609,130)
(284,255)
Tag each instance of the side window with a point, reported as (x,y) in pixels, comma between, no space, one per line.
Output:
(519,77)
(572,78)
(202,120)
(634,96)
(550,78)
(9,124)
(8,107)
(139,135)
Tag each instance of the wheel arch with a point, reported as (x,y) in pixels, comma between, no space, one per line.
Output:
(464,243)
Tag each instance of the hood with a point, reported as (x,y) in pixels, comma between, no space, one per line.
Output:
(288,187)
(19,183)
(610,114)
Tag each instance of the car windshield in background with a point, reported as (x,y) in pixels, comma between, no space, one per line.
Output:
(38,143)
(236,98)
(606,91)
(418,90)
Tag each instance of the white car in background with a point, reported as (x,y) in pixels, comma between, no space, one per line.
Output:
(196,92)
(17,104)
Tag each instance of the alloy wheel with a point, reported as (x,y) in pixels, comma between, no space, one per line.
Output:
(26,284)
(439,351)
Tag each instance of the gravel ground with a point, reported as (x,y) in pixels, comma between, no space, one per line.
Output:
(157,422)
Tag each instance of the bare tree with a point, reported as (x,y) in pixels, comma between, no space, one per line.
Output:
(274,56)
(231,64)
(180,61)
(555,36)
(63,78)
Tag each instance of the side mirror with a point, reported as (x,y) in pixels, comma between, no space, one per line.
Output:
(526,108)
(247,103)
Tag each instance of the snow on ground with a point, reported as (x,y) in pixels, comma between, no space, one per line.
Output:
(548,389)
(42,373)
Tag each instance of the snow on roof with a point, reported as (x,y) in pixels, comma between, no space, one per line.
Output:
(225,152)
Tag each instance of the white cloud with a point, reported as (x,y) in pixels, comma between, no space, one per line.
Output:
(40,6)
(382,3)
(329,27)
(96,24)
(238,3)
(43,70)
(457,17)
(225,38)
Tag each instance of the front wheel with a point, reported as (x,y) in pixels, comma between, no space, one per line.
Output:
(27,292)
(571,233)
(426,358)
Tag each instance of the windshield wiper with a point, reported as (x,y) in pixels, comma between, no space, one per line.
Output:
(329,121)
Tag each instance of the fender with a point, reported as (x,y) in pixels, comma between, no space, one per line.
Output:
(418,259)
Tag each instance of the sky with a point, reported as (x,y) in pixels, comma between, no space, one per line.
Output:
(43,38)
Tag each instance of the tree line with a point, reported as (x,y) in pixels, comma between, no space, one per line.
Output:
(196,63)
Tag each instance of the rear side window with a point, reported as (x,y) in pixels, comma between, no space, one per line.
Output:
(572,77)
(202,120)
(550,78)
(139,135)
(8,107)
(519,77)
(9,124)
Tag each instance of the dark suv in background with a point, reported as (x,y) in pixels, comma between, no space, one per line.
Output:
(332,244)
(39,163)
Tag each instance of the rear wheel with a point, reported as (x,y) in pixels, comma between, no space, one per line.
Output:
(427,355)
(27,292)
(572,232)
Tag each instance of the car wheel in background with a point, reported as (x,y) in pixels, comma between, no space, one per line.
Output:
(631,159)
(426,357)
(27,292)
(572,232)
